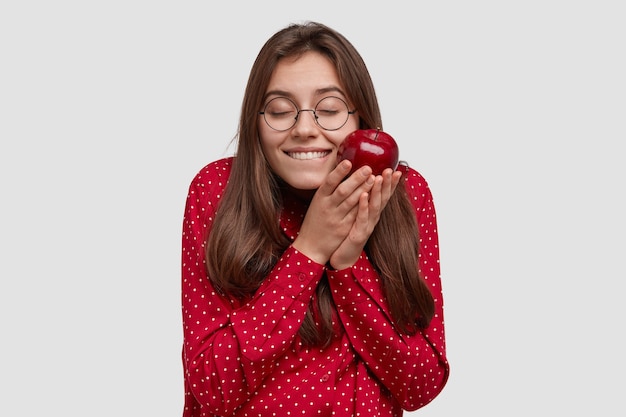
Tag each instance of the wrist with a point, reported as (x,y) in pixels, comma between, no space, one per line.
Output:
(310,252)
(340,264)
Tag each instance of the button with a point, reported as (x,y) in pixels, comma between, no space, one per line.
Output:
(301,276)
(325,378)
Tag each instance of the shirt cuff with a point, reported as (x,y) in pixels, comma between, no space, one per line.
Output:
(294,271)
(351,285)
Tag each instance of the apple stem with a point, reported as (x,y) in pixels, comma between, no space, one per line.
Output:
(377,131)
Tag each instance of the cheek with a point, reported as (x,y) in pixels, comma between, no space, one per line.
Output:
(341,134)
(265,139)
(270,145)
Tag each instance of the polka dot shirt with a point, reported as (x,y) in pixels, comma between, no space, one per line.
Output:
(246,358)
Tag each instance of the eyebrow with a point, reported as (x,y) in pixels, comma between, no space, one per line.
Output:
(317,92)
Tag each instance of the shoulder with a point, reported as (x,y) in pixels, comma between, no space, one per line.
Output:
(416,185)
(421,199)
(213,175)
(207,186)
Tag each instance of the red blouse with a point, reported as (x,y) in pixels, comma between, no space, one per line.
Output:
(248,360)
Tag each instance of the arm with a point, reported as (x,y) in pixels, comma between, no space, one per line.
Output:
(229,346)
(413,367)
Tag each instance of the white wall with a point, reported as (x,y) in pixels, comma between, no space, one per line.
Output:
(514,112)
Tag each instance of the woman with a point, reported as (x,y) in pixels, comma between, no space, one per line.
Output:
(305,290)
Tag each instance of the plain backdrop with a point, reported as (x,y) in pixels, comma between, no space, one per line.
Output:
(514,111)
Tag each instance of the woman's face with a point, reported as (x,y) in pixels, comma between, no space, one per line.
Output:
(304,154)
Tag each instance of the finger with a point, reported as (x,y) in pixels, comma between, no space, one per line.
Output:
(361,230)
(382,191)
(391,179)
(357,177)
(377,194)
(334,178)
(396,176)
(350,190)
(385,186)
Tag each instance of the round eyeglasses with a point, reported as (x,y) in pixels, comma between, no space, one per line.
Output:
(330,113)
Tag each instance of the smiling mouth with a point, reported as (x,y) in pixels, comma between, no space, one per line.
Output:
(304,156)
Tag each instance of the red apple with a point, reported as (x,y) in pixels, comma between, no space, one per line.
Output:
(371,147)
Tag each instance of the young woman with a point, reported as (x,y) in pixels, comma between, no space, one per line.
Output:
(307,291)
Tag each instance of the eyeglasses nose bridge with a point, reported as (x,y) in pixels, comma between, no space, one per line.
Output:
(301,110)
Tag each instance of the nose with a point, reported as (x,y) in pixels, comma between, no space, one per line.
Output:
(306,126)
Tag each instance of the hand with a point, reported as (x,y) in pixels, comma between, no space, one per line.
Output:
(333,211)
(369,209)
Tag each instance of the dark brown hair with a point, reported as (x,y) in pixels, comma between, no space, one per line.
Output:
(246,240)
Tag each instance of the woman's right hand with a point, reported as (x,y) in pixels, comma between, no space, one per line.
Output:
(333,211)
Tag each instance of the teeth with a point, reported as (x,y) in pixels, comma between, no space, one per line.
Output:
(307,155)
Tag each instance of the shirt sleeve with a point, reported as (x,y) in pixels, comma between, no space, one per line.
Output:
(414,368)
(229,347)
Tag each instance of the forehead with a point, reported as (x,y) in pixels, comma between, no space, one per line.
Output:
(307,75)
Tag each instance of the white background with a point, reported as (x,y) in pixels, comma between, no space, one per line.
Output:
(513,111)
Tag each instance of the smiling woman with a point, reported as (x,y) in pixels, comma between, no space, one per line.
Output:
(307,288)
(304,151)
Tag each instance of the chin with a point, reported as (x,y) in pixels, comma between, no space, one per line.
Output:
(304,184)
(307,186)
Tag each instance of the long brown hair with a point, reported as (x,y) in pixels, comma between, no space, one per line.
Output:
(246,240)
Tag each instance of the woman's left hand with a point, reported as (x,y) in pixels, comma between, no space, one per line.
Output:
(370,207)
